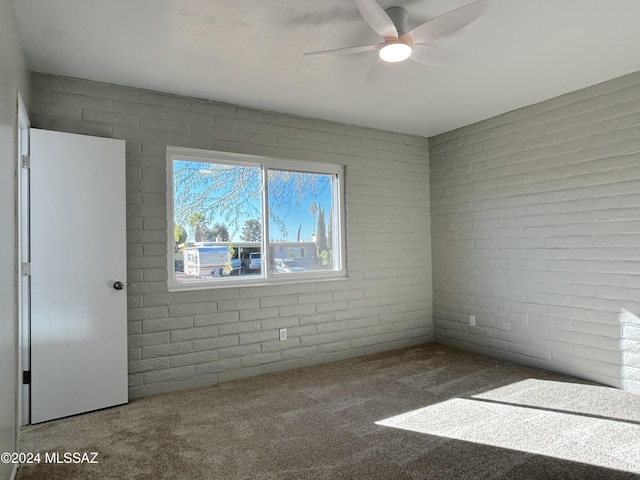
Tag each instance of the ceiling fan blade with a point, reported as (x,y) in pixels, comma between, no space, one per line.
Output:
(376,71)
(434,56)
(377,18)
(447,22)
(342,51)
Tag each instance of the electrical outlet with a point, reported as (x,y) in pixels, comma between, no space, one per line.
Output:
(283,334)
(472,320)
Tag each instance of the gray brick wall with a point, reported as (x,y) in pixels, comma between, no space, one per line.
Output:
(536,231)
(184,339)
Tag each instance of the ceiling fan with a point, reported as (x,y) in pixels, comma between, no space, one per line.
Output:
(400,44)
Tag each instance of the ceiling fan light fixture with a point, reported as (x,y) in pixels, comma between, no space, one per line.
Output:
(395,52)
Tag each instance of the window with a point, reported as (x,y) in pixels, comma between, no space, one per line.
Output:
(240,219)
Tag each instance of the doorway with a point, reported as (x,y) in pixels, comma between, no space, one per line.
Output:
(24,314)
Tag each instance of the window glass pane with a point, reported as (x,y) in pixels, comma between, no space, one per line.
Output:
(247,219)
(217,218)
(300,221)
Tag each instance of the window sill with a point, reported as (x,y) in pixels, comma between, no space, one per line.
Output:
(261,282)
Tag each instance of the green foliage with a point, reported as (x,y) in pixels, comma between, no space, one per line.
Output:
(252,231)
(229,267)
(219,230)
(321,232)
(180,235)
(313,209)
(324,259)
(323,249)
(198,223)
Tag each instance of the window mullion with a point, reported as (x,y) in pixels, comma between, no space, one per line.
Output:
(266,260)
(338,223)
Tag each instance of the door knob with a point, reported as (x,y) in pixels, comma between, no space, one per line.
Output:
(118,285)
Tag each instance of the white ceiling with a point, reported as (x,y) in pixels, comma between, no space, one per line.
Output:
(249,52)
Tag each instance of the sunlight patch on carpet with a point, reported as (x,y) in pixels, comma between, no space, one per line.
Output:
(590,440)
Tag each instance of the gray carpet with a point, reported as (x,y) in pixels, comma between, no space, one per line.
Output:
(429,412)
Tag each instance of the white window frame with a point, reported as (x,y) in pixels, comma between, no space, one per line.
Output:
(265,163)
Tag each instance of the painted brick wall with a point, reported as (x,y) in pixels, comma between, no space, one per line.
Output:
(185,339)
(536,231)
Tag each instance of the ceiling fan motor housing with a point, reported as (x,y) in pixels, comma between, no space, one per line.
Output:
(398,16)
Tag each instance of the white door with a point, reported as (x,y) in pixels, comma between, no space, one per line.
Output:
(78,253)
